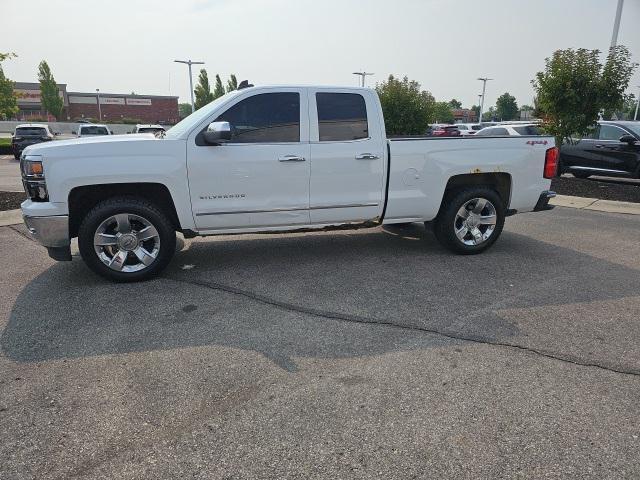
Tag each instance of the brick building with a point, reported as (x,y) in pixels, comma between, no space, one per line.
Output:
(464,115)
(113,107)
(146,108)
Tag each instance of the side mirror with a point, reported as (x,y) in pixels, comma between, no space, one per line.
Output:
(217,133)
(630,139)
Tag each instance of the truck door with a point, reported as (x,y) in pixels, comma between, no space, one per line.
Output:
(260,178)
(620,157)
(347,156)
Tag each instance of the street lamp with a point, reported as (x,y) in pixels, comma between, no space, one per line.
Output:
(616,24)
(635,115)
(479,99)
(189,62)
(98,99)
(484,87)
(362,75)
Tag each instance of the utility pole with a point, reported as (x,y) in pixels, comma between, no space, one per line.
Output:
(616,24)
(635,115)
(484,88)
(98,99)
(362,75)
(189,62)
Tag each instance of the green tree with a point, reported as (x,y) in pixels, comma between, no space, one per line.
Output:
(442,112)
(407,109)
(49,91)
(476,111)
(8,99)
(218,91)
(453,103)
(506,107)
(184,109)
(575,87)
(202,90)
(489,115)
(232,83)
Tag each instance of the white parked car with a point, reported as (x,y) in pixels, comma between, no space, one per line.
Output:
(92,130)
(468,128)
(277,158)
(511,129)
(157,130)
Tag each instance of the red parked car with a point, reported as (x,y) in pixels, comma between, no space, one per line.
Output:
(446,131)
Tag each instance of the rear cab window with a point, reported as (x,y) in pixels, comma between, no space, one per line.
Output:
(341,117)
(31,132)
(93,130)
(527,130)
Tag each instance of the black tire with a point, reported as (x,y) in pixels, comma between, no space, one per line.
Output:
(581,175)
(136,207)
(16,156)
(444,226)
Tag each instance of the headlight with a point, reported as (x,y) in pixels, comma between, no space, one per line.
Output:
(33,179)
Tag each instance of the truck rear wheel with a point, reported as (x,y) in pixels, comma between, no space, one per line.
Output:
(470,220)
(126,239)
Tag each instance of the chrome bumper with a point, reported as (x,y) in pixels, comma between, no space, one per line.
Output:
(52,231)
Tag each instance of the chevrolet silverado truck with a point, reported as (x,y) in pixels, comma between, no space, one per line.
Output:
(278,158)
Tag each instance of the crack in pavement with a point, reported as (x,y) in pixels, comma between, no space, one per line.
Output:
(344,317)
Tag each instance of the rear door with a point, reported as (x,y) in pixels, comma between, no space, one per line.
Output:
(582,155)
(347,156)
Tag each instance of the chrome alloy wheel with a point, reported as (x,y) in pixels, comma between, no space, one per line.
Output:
(126,242)
(475,221)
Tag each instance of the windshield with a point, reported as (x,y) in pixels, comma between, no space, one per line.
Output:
(93,130)
(196,117)
(150,130)
(30,132)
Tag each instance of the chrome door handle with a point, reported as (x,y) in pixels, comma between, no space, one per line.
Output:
(291,158)
(600,146)
(367,156)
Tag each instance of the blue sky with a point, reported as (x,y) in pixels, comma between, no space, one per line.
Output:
(129,45)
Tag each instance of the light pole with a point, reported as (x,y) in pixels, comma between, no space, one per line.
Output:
(189,62)
(362,75)
(98,99)
(635,115)
(484,88)
(616,24)
(479,99)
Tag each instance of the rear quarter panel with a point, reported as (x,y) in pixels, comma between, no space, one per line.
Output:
(421,168)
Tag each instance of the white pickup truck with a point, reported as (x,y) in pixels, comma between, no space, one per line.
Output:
(277,158)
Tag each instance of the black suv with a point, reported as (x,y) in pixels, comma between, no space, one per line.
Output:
(612,150)
(29,134)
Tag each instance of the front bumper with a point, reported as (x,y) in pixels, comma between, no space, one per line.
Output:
(51,232)
(543,201)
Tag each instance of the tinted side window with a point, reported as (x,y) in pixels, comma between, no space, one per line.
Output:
(610,132)
(500,131)
(527,130)
(265,118)
(341,116)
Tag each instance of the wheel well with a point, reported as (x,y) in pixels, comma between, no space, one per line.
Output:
(500,182)
(83,199)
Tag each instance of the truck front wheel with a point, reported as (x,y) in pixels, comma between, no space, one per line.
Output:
(126,239)
(470,220)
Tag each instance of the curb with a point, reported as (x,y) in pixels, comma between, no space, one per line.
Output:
(586,203)
(10,217)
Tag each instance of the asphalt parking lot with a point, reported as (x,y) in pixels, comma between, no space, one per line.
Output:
(351,354)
